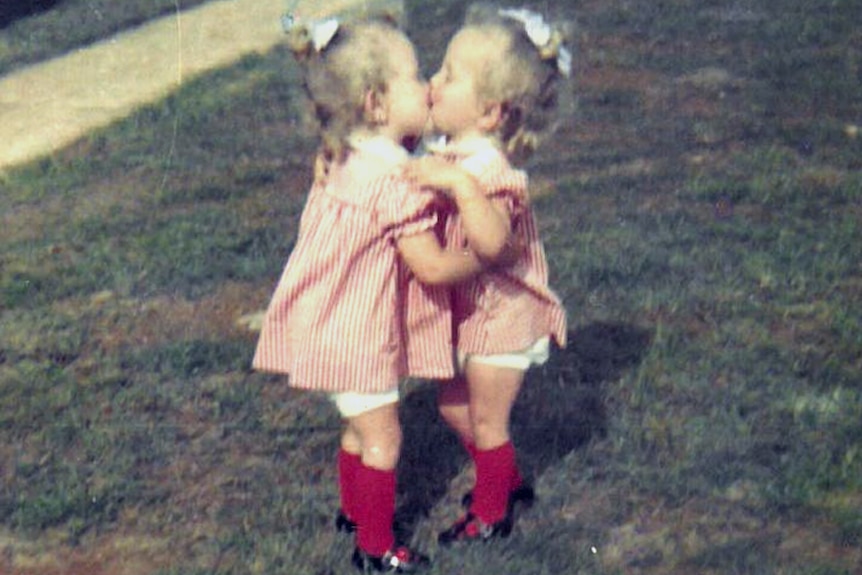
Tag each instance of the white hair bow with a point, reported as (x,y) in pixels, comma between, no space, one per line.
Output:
(321,31)
(539,32)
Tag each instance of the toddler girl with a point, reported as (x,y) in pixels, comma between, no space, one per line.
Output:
(335,322)
(496,90)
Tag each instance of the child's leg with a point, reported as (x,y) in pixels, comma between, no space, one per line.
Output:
(492,394)
(453,403)
(379,435)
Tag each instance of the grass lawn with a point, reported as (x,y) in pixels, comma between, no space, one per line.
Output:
(701,212)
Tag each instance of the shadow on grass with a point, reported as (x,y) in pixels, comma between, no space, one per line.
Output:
(560,409)
(15,10)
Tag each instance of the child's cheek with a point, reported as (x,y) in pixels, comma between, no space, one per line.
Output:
(435,96)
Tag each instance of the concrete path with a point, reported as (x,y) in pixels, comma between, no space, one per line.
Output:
(48,106)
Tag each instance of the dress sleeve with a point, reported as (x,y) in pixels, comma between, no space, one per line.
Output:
(405,210)
(503,184)
(509,188)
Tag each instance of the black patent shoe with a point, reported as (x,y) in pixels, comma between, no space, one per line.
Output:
(397,560)
(471,528)
(343,524)
(521,495)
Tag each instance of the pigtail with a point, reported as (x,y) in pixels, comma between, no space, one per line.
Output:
(309,41)
(298,41)
(335,113)
(534,115)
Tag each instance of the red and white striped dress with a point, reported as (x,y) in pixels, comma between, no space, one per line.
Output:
(503,310)
(336,322)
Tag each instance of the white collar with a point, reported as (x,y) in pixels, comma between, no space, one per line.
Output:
(475,153)
(468,146)
(472,145)
(380,147)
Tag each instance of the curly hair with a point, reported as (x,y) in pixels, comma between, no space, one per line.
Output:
(338,78)
(524,78)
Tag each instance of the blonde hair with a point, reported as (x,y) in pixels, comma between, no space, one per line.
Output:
(338,77)
(525,79)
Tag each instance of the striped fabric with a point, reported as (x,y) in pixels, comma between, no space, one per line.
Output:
(428,335)
(336,321)
(503,310)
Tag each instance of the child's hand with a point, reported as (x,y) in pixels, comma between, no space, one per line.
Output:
(435,173)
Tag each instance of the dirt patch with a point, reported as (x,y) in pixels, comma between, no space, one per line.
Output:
(714,536)
(123,552)
(127,323)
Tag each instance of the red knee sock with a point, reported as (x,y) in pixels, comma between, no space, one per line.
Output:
(348,463)
(375,510)
(516,480)
(495,469)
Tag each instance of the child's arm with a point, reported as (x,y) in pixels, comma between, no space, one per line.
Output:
(434,265)
(486,225)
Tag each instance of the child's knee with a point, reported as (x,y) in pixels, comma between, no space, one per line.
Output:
(489,429)
(382,453)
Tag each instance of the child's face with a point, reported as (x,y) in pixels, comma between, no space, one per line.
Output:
(407,94)
(456,106)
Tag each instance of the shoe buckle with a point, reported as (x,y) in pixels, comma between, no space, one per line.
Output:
(399,557)
(476,528)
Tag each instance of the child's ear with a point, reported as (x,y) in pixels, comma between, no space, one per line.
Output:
(374,108)
(493,116)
